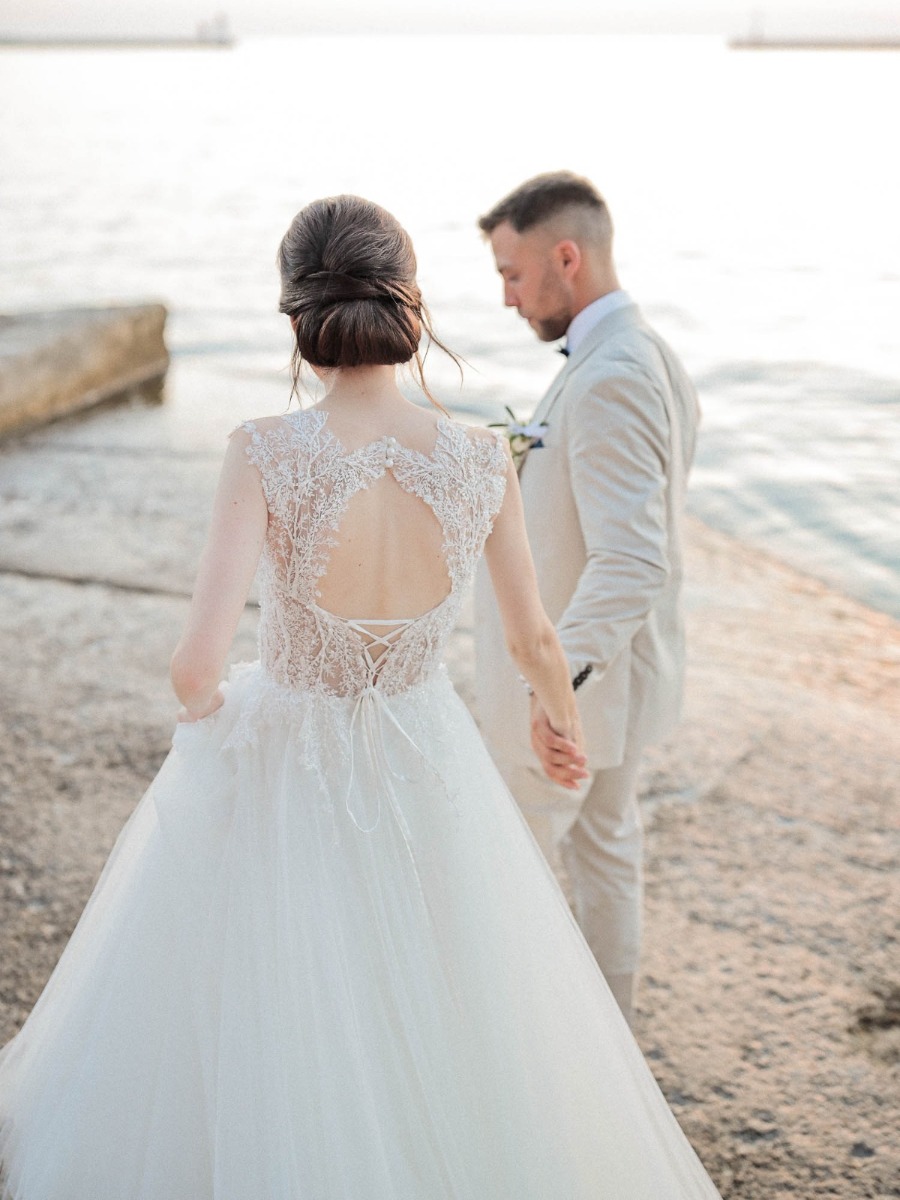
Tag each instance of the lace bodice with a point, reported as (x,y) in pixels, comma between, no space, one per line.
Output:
(309,479)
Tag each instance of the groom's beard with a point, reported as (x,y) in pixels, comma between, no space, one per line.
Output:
(551,329)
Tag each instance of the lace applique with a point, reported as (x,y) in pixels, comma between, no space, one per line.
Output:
(308,480)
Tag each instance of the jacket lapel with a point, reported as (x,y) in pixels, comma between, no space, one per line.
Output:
(621,318)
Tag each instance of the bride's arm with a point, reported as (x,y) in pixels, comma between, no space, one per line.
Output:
(227,566)
(531,639)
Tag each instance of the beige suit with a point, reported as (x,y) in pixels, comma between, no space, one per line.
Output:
(603,503)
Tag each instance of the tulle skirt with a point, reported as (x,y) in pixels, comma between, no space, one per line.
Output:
(325,965)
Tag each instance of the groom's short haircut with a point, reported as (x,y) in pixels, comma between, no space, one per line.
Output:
(540,200)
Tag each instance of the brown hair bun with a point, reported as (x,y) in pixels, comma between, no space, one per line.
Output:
(348,282)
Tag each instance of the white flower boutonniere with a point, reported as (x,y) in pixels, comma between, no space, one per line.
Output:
(521,438)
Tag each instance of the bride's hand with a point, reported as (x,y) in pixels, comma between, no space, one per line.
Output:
(562,758)
(215,703)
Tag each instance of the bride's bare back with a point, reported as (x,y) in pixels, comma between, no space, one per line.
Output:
(370,541)
(388,558)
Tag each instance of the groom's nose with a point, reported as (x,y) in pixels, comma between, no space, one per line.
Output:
(510,296)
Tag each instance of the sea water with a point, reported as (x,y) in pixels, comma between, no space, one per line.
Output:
(755,197)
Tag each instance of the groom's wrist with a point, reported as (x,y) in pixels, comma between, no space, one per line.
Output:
(578,679)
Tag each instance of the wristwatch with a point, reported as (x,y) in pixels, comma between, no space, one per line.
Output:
(581,676)
(576,682)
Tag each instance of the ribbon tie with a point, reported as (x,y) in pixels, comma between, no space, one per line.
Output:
(370,713)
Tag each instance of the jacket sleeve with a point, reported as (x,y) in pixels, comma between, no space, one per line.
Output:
(619,448)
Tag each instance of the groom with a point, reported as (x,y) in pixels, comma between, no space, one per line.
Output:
(603,487)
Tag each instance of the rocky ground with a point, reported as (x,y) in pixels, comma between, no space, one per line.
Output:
(770,1002)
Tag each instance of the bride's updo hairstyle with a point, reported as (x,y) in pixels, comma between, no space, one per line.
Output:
(348,283)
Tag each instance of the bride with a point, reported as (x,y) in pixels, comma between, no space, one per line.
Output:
(325,959)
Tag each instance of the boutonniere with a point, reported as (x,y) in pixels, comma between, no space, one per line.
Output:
(521,438)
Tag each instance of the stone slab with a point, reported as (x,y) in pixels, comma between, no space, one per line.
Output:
(55,363)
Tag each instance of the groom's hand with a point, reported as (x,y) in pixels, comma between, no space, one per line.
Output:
(561,759)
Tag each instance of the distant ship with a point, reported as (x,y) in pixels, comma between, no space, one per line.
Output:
(814,43)
(215,34)
(757,39)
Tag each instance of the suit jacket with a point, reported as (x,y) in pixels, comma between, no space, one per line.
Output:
(603,501)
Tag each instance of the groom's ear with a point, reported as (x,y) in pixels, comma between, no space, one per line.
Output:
(568,257)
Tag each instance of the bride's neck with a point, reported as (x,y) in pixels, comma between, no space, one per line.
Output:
(362,387)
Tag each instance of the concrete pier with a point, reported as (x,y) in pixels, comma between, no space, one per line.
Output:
(55,363)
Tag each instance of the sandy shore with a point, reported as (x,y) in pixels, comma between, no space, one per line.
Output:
(770,1001)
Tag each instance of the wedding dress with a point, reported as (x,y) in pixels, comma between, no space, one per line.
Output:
(325,959)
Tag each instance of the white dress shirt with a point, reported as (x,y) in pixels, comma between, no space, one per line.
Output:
(582,323)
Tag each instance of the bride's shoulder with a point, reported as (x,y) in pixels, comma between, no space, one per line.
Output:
(280,428)
(280,423)
(271,444)
(485,443)
(261,424)
(472,433)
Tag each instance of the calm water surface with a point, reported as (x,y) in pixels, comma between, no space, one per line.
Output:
(755,197)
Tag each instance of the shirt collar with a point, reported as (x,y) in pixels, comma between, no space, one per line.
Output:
(582,323)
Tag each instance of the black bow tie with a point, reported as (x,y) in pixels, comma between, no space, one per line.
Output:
(564,351)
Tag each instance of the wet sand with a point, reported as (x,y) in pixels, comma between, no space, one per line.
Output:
(770,1001)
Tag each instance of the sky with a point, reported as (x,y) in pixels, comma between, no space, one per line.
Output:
(252,17)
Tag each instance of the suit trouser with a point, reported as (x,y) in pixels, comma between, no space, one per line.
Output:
(593,840)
